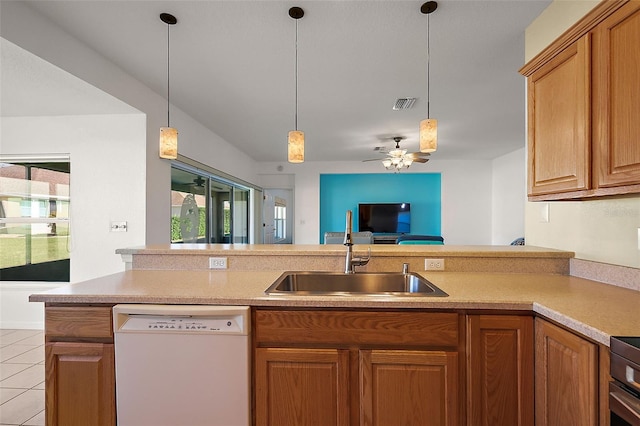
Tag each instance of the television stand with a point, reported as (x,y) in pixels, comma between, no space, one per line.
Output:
(385,239)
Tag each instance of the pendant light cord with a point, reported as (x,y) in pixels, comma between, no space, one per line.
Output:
(296,74)
(428,65)
(168,79)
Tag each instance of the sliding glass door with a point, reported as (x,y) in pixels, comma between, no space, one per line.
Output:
(240,215)
(207,209)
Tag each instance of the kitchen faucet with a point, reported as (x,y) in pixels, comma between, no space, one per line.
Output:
(350,261)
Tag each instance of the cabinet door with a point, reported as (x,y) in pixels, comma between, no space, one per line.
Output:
(80,384)
(558,120)
(301,387)
(616,87)
(566,378)
(409,388)
(500,370)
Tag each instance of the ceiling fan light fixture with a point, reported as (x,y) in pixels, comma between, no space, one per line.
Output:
(429,126)
(295,145)
(168,135)
(398,158)
(429,135)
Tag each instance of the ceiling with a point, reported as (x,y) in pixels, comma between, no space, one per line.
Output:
(233,69)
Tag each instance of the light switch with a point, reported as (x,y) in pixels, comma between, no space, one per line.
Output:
(119,226)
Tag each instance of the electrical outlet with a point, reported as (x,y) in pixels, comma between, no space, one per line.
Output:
(434,264)
(217,263)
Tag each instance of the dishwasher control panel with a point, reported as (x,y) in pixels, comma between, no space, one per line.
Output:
(182,324)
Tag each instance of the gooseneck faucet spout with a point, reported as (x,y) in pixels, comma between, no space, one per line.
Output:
(350,261)
(348,230)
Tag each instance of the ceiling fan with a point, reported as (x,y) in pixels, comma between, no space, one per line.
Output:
(398,158)
(199,182)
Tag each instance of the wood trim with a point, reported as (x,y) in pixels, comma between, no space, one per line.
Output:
(604,369)
(328,327)
(577,30)
(87,322)
(586,194)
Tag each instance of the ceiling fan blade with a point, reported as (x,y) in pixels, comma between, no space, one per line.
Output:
(374,159)
(420,160)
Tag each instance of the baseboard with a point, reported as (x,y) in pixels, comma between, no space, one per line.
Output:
(22,325)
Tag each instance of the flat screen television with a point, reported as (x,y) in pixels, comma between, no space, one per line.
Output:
(384,218)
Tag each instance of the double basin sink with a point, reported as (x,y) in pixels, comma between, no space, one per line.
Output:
(307,283)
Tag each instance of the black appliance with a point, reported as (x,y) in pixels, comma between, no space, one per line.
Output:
(624,391)
(384,218)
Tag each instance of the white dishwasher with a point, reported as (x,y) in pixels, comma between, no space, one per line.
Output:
(182,365)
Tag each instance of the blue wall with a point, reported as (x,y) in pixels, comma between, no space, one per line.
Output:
(342,192)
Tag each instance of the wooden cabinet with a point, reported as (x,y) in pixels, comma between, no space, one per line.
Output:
(500,370)
(558,117)
(356,367)
(80,384)
(80,366)
(408,388)
(566,383)
(583,101)
(616,94)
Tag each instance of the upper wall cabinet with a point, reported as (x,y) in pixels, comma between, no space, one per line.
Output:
(558,117)
(583,108)
(616,96)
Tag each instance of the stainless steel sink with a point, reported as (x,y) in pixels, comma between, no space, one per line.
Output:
(306,283)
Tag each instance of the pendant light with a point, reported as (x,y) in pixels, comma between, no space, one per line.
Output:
(295,146)
(168,135)
(428,126)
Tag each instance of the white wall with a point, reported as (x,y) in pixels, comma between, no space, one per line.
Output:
(466,195)
(509,188)
(107,184)
(603,230)
(36,34)
(107,180)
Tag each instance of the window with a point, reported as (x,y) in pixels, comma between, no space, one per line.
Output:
(280,219)
(34,220)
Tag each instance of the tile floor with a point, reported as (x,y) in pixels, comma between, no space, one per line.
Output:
(21,377)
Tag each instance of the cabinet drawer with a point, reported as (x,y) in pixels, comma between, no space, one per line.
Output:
(88,322)
(357,327)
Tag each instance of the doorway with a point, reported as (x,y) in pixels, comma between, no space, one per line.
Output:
(278,216)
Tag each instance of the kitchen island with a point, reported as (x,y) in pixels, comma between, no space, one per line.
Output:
(484,311)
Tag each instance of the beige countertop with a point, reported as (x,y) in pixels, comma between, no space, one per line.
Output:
(593,309)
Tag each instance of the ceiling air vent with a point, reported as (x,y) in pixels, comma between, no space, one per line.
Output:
(403,103)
